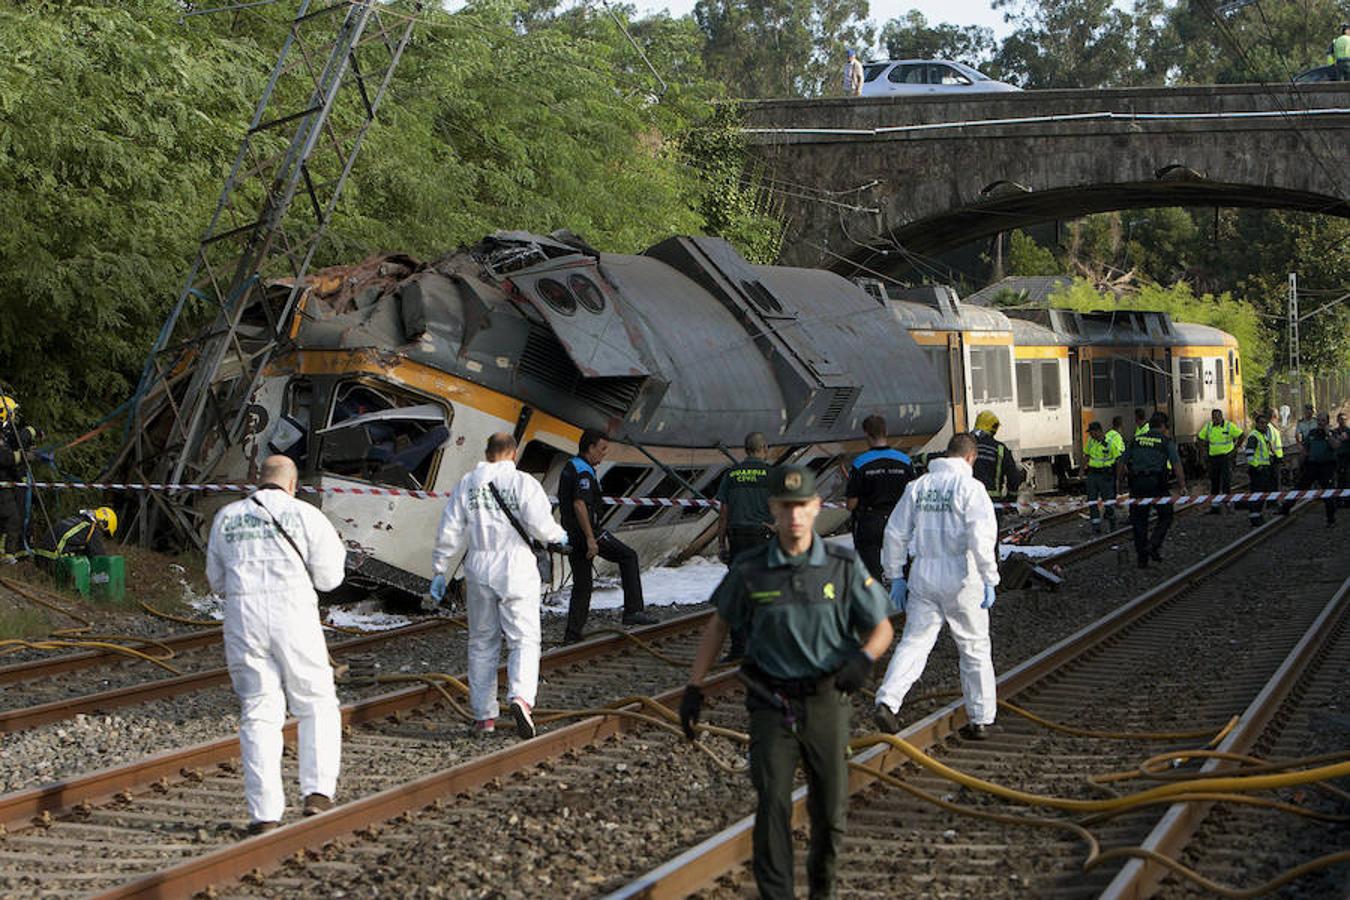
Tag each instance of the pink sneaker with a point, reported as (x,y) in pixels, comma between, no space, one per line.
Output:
(484,726)
(520,711)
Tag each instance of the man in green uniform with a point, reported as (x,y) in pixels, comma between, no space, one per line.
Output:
(1101,478)
(1221,439)
(816,622)
(744,522)
(1262,474)
(1146,461)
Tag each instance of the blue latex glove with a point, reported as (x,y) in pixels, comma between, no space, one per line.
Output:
(437,589)
(46,456)
(899,590)
(988,600)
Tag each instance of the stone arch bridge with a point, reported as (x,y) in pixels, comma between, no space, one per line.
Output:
(867,180)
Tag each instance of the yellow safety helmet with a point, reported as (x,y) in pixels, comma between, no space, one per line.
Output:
(986,421)
(7,407)
(107,519)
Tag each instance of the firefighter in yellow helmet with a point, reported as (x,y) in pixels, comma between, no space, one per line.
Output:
(17,443)
(82,534)
(995,466)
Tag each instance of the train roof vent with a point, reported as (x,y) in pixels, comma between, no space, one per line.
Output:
(546,361)
(841,401)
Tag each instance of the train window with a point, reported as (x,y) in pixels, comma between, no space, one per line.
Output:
(557,296)
(383,435)
(990,378)
(1218,379)
(1101,383)
(939,363)
(1050,392)
(587,293)
(1086,372)
(619,481)
(1232,368)
(1124,381)
(1190,379)
(1026,387)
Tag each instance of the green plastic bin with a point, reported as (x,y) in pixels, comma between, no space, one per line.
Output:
(108,577)
(73,571)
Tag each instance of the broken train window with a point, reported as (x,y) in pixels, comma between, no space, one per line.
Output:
(379,433)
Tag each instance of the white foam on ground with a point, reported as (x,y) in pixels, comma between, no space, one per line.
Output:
(1035,551)
(365,615)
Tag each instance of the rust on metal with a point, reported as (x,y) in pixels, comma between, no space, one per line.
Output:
(34,669)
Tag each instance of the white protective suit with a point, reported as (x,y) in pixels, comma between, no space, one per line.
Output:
(946,521)
(501,577)
(274,643)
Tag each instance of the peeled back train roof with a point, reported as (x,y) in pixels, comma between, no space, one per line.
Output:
(684,345)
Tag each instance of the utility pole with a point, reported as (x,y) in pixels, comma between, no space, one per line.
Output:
(1293,340)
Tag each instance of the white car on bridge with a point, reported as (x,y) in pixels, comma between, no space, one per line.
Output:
(927,76)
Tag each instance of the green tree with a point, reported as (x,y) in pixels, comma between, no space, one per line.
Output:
(1026,257)
(1067,44)
(911,37)
(781,48)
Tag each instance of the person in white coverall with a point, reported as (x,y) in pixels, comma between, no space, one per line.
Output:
(946,521)
(274,642)
(501,578)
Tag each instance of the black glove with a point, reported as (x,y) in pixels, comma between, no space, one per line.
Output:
(855,672)
(690,707)
(559,548)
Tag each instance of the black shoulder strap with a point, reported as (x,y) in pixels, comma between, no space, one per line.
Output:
(282,531)
(511,517)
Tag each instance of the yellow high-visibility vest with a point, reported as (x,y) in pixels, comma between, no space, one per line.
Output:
(1221,438)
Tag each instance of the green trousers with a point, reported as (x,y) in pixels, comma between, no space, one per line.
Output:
(818,743)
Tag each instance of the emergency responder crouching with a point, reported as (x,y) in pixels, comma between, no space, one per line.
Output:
(266,556)
(496,511)
(946,522)
(1146,464)
(579,505)
(1220,439)
(17,441)
(816,622)
(743,520)
(1101,478)
(876,481)
(79,535)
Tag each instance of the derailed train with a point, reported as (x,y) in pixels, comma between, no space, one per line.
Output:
(397,371)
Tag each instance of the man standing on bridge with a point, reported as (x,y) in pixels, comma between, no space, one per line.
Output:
(853,75)
(267,555)
(816,622)
(1340,49)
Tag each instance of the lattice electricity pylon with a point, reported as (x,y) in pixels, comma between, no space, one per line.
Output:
(321,98)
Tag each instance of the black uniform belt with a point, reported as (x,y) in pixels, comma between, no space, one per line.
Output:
(792,689)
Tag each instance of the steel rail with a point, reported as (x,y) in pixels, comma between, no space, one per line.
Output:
(270,850)
(698,866)
(19,808)
(25,717)
(1139,878)
(33,669)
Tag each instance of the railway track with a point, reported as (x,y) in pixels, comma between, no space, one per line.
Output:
(98,831)
(1119,675)
(62,706)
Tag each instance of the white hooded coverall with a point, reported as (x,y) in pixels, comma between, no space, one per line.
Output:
(274,644)
(946,521)
(501,577)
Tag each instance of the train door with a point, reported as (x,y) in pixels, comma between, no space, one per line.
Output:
(957,367)
(1075,405)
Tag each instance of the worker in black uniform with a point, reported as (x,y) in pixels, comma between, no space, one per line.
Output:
(743,520)
(1146,461)
(17,443)
(995,466)
(1342,435)
(1319,463)
(817,622)
(876,481)
(579,502)
(82,534)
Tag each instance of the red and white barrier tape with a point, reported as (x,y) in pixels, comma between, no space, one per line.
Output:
(1237,497)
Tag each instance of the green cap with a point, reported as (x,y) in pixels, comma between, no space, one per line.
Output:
(792,483)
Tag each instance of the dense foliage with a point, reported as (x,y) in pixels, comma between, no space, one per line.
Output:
(119,121)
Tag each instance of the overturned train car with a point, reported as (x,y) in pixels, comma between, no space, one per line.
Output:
(398,370)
